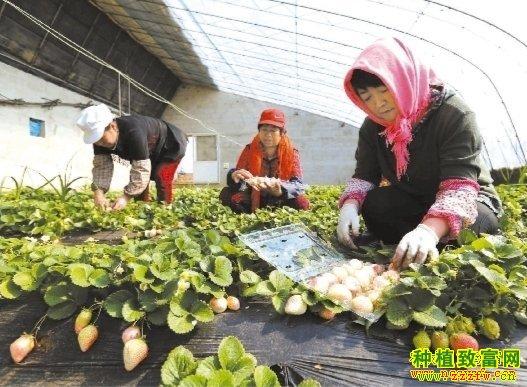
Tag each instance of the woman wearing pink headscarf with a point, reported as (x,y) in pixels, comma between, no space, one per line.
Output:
(419,177)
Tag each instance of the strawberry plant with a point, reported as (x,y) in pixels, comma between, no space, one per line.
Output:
(514,198)
(139,280)
(184,276)
(231,366)
(485,277)
(40,212)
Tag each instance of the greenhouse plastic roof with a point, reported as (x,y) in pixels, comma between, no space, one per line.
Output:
(296,53)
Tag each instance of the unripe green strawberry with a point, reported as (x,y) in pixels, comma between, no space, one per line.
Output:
(83,319)
(439,340)
(421,340)
(467,325)
(134,352)
(489,328)
(87,337)
(462,341)
(460,324)
(450,327)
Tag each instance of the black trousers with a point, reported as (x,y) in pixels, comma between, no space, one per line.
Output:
(390,213)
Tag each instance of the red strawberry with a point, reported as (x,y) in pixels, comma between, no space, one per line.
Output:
(82,320)
(130,333)
(87,337)
(135,351)
(463,340)
(21,347)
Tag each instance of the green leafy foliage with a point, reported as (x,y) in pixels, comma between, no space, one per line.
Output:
(40,212)
(485,276)
(179,364)
(168,280)
(231,366)
(186,309)
(137,280)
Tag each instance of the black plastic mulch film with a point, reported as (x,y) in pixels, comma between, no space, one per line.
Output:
(336,353)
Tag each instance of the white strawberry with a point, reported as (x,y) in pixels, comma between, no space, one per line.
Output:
(134,352)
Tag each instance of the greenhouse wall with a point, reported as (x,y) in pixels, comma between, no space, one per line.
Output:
(43,139)
(326,146)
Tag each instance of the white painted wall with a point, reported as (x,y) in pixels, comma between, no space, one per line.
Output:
(327,147)
(63,141)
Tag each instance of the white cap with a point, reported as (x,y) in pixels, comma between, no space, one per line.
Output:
(93,121)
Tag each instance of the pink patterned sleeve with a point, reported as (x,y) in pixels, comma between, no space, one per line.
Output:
(456,204)
(355,189)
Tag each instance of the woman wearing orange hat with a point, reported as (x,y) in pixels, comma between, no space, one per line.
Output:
(268,172)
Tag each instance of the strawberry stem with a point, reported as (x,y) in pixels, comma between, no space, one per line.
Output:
(38,325)
(97,305)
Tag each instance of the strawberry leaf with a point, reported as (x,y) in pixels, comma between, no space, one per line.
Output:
(130,311)
(249,277)
(25,280)
(466,236)
(115,301)
(147,300)
(180,325)
(265,377)
(193,381)
(244,368)
(61,311)
(279,303)
(398,313)
(99,278)
(9,290)
(280,282)
(309,383)
(207,367)
(265,288)
(141,274)
(181,304)
(431,317)
(230,352)
(79,274)
(221,378)
(179,364)
(56,294)
(202,312)
(213,237)
(159,316)
(222,272)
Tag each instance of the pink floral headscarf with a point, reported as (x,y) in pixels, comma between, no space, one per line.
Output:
(408,79)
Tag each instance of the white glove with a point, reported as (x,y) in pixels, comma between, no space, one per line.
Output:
(416,246)
(348,218)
